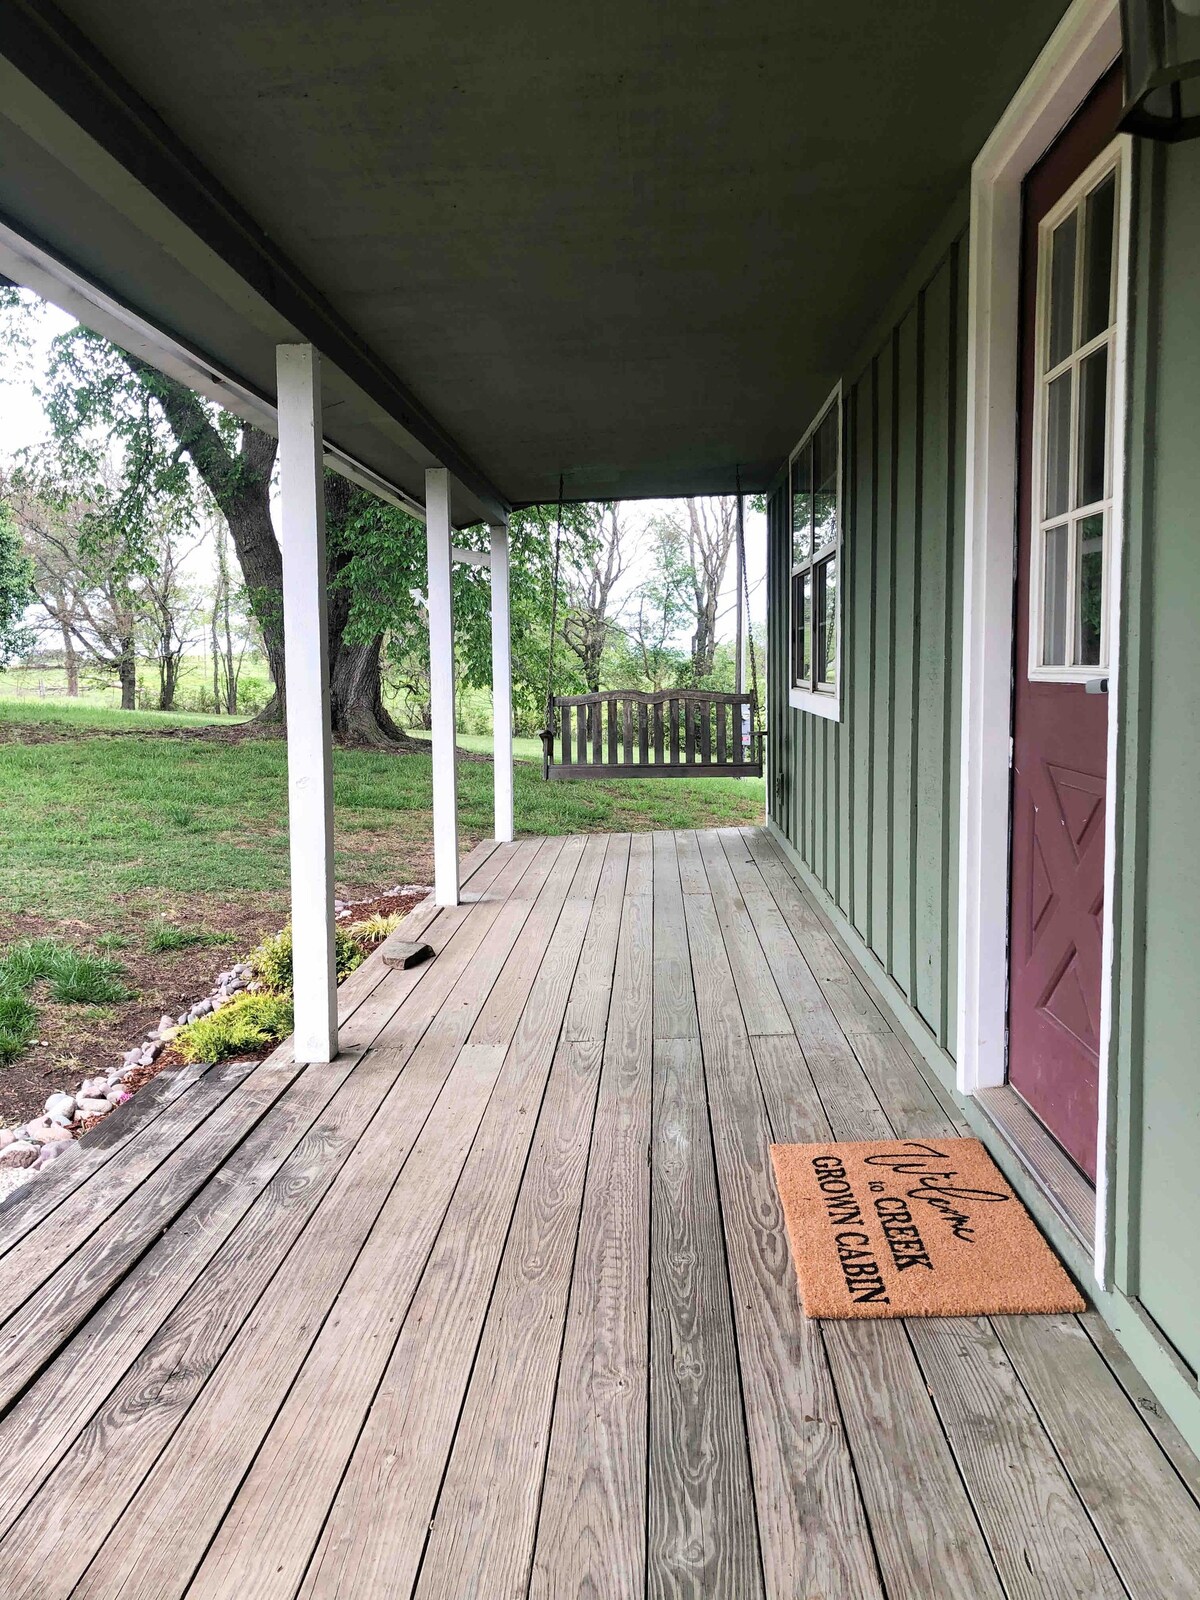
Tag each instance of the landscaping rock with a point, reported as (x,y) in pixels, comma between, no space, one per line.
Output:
(118,1096)
(51,1152)
(40,1130)
(132,1057)
(200,1009)
(165,1022)
(21,1153)
(61,1107)
(91,1088)
(15,1178)
(92,1107)
(6,1137)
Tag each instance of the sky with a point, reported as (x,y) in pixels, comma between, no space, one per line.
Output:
(23,425)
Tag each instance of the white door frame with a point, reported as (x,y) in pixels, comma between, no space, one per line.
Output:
(1081,50)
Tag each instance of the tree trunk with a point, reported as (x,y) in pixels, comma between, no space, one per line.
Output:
(70,662)
(231,671)
(127,673)
(356,700)
(168,683)
(216,665)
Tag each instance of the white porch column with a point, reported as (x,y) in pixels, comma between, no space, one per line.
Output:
(439,547)
(502,734)
(306,662)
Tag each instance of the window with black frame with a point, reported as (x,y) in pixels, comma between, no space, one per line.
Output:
(815,559)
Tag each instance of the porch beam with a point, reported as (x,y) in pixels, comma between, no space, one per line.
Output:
(439,552)
(471,558)
(306,663)
(502,732)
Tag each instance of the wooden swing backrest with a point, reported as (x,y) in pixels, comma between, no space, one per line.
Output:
(671,733)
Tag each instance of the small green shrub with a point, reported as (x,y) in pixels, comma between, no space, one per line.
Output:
(165,936)
(248,1023)
(17,1020)
(371,930)
(272,959)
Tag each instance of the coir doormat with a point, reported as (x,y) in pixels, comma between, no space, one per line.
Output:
(900,1228)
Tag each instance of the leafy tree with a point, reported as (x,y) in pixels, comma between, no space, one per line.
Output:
(81,572)
(592,613)
(663,606)
(710,528)
(16,591)
(170,612)
(173,443)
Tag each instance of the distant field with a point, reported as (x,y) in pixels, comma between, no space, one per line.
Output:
(48,686)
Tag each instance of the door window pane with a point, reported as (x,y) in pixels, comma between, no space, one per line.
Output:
(827,623)
(802,506)
(1058,445)
(1093,428)
(1089,633)
(1098,259)
(1054,597)
(825,472)
(1062,291)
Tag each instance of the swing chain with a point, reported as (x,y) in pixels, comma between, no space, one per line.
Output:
(749,630)
(554,612)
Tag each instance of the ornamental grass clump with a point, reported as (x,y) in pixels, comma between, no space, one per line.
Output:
(374,929)
(271,961)
(246,1025)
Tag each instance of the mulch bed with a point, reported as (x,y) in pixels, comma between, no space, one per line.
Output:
(84,1041)
(383,905)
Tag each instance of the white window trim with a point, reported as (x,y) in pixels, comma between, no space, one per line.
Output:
(1111,160)
(819,702)
(1082,48)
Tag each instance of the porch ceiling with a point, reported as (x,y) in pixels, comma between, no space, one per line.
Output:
(626,243)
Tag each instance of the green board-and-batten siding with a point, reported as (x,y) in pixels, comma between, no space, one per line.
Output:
(1157,1019)
(870,802)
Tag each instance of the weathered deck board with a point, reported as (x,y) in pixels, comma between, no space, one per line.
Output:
(500,1304)
(591,1537)
(813,1531)
(701,1537)
(482,1536)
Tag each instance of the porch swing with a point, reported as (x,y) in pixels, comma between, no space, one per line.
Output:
(665,733)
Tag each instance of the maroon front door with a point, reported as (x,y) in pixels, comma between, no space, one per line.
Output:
(1060,713)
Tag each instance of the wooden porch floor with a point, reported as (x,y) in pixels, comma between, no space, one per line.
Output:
(500,1303)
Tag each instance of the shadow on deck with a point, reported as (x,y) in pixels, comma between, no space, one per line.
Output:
(500,1302)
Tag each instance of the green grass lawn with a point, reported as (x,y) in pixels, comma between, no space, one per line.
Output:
(91,821)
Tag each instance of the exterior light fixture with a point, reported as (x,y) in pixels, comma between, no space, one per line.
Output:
(1162,68)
